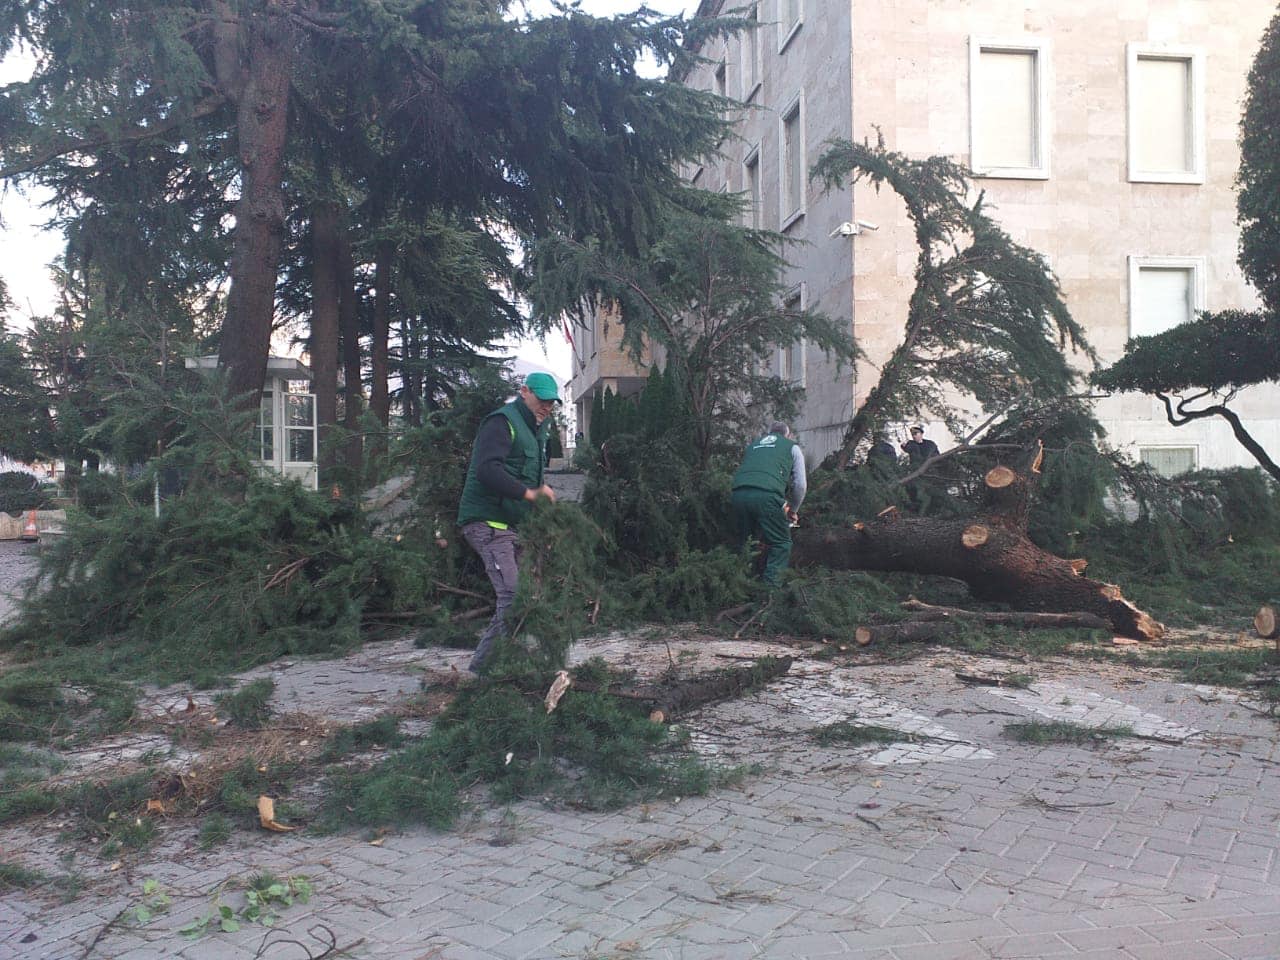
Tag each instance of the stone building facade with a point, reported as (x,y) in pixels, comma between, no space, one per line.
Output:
(1103,132)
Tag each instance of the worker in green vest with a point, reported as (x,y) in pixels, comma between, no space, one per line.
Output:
(760,504)
(503,481)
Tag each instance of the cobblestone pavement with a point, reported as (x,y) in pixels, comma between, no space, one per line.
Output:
(957,844)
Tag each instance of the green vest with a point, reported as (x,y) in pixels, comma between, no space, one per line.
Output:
(524,462)
(767,465)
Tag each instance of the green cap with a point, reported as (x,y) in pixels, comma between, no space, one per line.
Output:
(543,386)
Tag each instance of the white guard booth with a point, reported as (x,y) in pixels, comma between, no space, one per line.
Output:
(286,419)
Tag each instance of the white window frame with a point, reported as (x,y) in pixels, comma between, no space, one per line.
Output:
(755,208)
(1039,48)
(787,217)
(750,51)
(798,294)
(788,30)
(1197,266)
(1135,51)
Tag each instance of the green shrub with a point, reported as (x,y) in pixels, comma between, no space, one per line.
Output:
(20,491)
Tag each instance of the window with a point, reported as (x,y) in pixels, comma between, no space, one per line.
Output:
(751,186)
(697,175)
(721,85)
(300,427)
(750,53)
(1169,461)
(1163,292)
(266,428)
(1166,114)
(1008,109)
(790,16)
(791,164)
(791,357)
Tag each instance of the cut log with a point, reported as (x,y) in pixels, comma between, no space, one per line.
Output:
(1079,565)
(974,536)
(1267,621)
(922,612)
(1009,568)
(908,631)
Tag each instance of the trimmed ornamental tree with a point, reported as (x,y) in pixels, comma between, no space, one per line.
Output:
(1196,369)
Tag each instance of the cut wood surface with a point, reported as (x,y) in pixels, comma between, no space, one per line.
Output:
(1267,621)
(1008,568)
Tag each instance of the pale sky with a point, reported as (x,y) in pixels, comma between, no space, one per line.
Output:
(26,249)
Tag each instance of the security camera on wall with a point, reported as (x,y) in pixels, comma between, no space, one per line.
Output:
(852,229)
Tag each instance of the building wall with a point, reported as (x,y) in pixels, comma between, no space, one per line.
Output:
(901,68)
(911,79)
(811,67)
(601,363)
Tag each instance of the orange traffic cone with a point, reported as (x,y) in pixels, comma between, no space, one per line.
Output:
(30,530)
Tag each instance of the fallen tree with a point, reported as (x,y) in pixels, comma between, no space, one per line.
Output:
(990,552)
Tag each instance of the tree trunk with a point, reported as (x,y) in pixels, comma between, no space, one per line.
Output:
(379,395)
(991,553)
(262,112)
(326,295)
(349,325)
(924,613)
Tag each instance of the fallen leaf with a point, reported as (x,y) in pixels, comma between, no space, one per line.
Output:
(267,816)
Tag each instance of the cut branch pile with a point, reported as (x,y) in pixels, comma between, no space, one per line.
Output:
(990,552)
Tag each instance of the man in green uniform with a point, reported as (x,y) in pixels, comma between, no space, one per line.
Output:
(503,481)
(760,495)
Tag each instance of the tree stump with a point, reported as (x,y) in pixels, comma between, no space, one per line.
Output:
(1267,622)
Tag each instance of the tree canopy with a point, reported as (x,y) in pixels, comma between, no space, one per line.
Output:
(227,160)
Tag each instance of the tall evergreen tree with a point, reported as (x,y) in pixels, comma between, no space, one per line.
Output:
(543,124)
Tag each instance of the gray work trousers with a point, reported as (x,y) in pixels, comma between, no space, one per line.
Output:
(500,552)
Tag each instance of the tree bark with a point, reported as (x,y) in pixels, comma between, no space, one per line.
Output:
(682,696)
(923,612)
(262,113)
(326,296)
(379,395)
(1006,566)
(349,326)
(908,631)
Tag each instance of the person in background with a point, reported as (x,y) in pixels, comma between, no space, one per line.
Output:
(918,449)
(882,458)
(760,505)
(504,479)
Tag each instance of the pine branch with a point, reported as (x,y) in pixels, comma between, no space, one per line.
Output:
(66,145)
